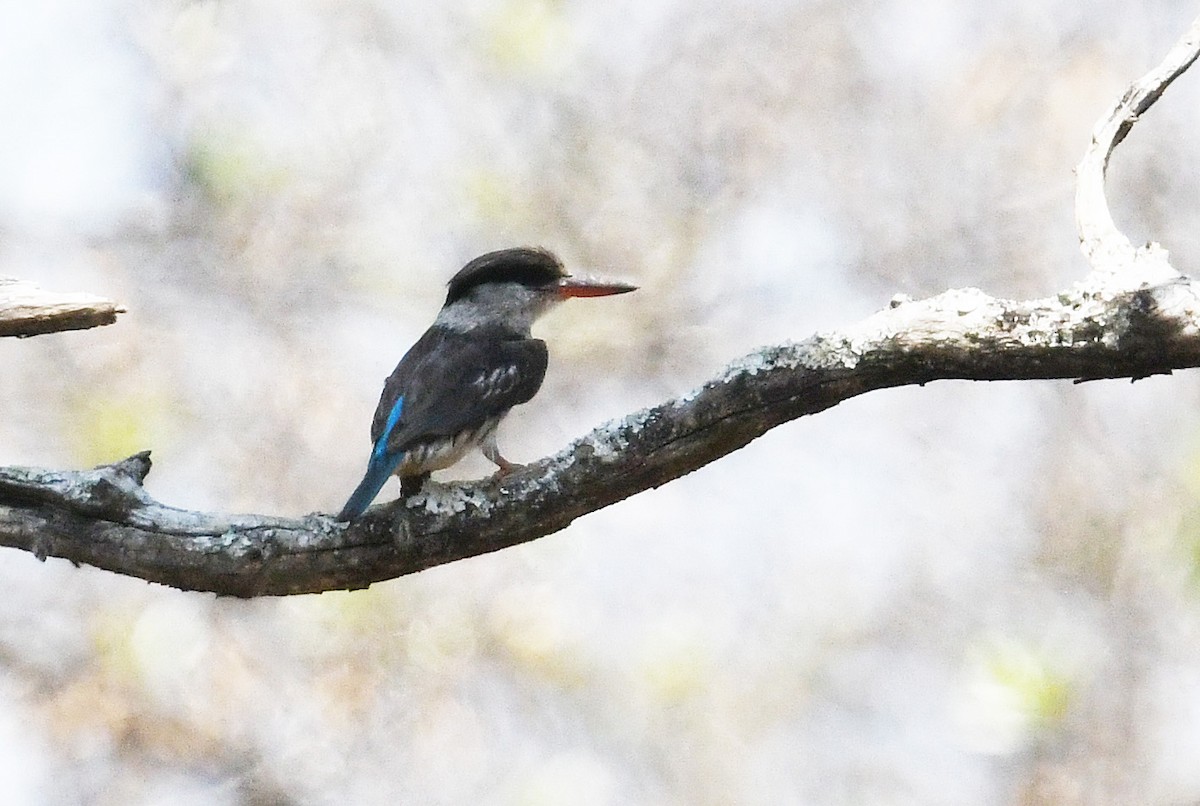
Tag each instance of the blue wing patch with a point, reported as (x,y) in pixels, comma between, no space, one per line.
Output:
(388,428)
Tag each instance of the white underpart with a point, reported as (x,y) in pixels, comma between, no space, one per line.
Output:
(441,454)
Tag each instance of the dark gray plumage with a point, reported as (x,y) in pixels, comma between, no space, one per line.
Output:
(477,361)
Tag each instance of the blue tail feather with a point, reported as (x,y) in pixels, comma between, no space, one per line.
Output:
(381,465)
(378,469)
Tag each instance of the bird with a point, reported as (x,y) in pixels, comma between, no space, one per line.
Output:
(469,369)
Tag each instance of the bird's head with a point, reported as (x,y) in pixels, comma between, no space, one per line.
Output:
(514,287)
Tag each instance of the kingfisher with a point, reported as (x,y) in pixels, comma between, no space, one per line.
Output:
(469,369)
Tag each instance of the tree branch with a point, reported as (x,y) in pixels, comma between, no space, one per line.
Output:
(26,310)
(1133,316)
(1106,248)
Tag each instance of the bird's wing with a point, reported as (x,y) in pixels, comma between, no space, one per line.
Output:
(452,381)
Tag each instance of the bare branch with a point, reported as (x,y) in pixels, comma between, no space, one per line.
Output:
(1132,317)
(26,310)
(1106,247)
(104,517)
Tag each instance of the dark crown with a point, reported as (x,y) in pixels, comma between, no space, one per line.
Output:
(533,267)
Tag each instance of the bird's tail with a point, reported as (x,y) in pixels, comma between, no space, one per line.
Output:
(378,470)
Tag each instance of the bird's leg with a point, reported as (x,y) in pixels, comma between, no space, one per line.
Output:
(411,485)
(492,452)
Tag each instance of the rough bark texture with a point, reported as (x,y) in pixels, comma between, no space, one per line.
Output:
(26,310)
(1133,316)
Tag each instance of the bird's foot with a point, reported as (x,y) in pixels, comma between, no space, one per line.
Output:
(504,467)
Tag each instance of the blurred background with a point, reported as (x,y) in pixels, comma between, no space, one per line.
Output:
(964,593)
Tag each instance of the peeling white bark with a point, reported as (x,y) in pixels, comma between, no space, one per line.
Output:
(27,310)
